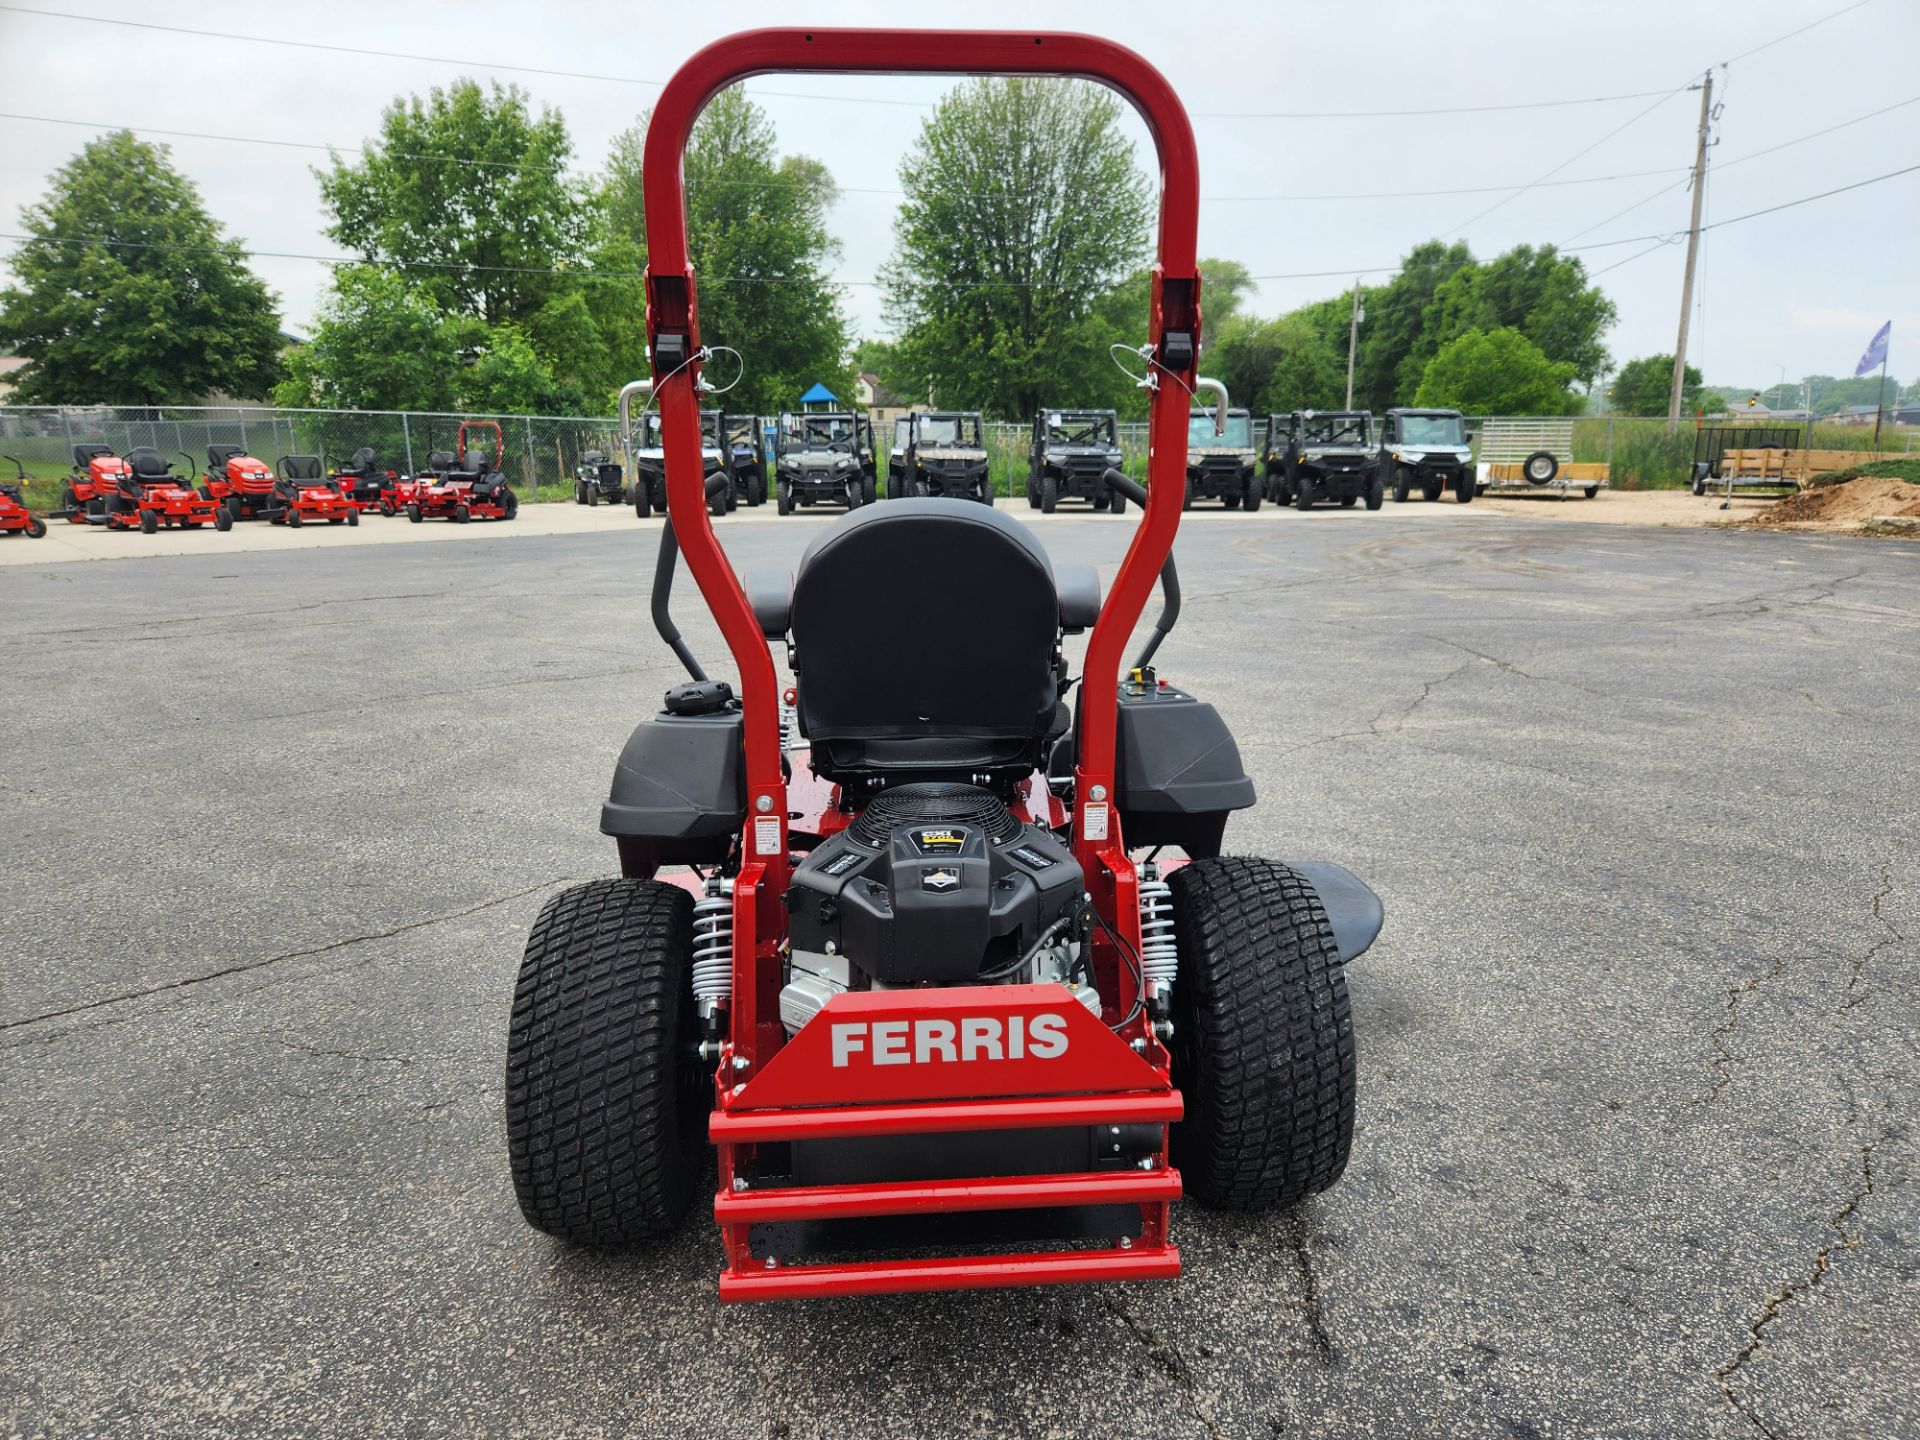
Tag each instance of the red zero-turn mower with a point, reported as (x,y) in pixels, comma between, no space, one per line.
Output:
(239,483)
(15,517)
(943,1027)
(302,492)
(367,485)
(470,488)
(140,490)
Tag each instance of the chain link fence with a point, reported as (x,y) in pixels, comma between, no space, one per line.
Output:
(540,453)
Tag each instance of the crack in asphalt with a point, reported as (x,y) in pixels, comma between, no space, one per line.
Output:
(246,966)
(1761,602)
(1296,1230)
(1856,992)
(1168,1359)
(1771,1307)
(1725,1059)
(1377,727)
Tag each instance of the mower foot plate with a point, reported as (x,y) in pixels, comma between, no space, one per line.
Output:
(973,1272)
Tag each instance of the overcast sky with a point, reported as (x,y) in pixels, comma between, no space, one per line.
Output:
(1803,289)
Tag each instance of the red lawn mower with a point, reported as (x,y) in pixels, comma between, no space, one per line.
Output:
(15,517)
(239,483)
(368,486)
(469,488)
(944,1026)
(302,492)
(140,490)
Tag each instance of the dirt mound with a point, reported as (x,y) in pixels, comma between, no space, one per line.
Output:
(1850,505)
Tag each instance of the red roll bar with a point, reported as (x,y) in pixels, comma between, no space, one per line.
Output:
(673,330)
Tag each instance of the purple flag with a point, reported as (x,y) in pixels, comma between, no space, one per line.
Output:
(1876,355)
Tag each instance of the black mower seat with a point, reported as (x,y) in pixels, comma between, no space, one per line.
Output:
(924,634)
(440,461)
(83,453)
(148,464)
(302,467)
(362,462)
(219,455)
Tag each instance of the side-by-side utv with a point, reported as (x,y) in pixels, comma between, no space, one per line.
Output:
(746,461)
(939,453)
(649,490)
(926,969)
(1072,452)
(1220,460)
(1428,451)
(823,457)
(1314,455)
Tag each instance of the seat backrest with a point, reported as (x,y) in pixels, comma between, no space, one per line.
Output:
(362,462)
(924,633)
(83,453)
(301,467)
(219,455)
(440,461)
(593,457)
(147,463)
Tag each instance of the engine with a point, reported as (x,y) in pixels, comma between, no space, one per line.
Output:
(933,885)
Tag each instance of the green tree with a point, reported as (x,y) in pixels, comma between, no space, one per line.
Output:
(1644,386)
(1279,365)
(1023,208)
(126,290)
(1497,372)
(757,234)
(1395,323)
(469,192)
(1541,293)
(378,344)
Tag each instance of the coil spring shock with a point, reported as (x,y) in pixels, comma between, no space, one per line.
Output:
(1159,947)
(713,952)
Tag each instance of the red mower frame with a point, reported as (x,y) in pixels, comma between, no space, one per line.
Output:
(769,1089)
(451,496)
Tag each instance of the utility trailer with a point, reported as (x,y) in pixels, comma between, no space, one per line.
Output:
(1536,454)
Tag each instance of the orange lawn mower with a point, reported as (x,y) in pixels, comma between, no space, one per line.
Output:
(15,517)
(899,940)
(138,490)
(238,482)
(470,488)
(302,491)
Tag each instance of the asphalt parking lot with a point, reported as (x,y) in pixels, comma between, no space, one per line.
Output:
(1638,1045)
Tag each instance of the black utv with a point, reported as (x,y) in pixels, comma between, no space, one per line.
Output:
(824,458)
(746,460)
(939,453)
(1220,466)
(598,479)
(1315,455)
(649,491)
(1428,451)
(1072,451)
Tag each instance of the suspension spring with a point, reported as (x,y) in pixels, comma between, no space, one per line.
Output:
(713,947)
(789,725)
(1159,948)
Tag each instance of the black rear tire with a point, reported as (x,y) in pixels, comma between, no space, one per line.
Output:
(1116,503)
(1263,1047)
(783,497)
(642,501)
(1049,494)
(606,1106)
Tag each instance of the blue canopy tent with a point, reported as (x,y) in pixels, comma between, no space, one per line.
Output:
(819,398)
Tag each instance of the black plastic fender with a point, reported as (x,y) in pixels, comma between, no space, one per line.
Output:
(1353,910)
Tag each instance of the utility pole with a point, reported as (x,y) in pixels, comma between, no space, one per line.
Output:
(1693,253)
(1353,338)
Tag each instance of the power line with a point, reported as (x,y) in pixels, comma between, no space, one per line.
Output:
(588,274)
(601,77)
(333,148)
(1811,24)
